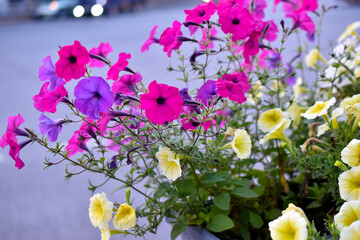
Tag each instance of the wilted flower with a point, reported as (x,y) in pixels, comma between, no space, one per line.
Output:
(125,217)
(169,163)
(100,210)
(349,184)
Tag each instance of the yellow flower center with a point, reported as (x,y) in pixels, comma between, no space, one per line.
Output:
(317,108)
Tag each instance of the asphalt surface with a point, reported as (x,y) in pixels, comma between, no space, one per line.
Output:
(37,204)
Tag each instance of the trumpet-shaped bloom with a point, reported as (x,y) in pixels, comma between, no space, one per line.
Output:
(194,123)
(127,83)
(292,207)
(169,163)
(145,47)
(47,101)
(352,232)
(102,50)
(295,112)
(100,210)
(320,108)
(125,217)
(350,101)
(77,143)
(105,234)
(251,46)
(233,91)
(350,30)
(72,61)
(200,13)
(349,213)
(227,4)
(207,40)
(303,21)
(169,38)
(313,57)
(50,127)
(47,72)
(162,103)
(278,133)
(349,184)
(93,96)
(289,226)
(207,91)
(351,153)
(271,119)
(241,144)
(121,64)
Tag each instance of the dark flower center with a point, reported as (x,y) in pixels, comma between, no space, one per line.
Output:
(235,21)
(97,95)
(202,13)
(72,59)
(195,124)
(160,101)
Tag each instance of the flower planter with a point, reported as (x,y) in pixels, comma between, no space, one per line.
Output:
(197,233)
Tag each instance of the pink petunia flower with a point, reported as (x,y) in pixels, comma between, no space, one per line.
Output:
(251,46)
(228,89)
(162,103)
(121,64)
(272,31)
(259,7)
(237,21)
(194,123)
(47,101)
(239,78)
(308,5)
(303,21)
(72,61)
(102,50)
(205,39)
(127,83)
(169,38)
(200,13)
(227,4)
(145,47)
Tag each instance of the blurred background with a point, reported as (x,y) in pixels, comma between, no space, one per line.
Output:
(37,204)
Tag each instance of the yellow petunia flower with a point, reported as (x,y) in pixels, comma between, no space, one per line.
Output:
(350,101)
(278,133)
(169,163)
(294,112)
(319,109)
(289,226)
(349,213)
(350,30)
(292,207)
(105,234)
(271,119)
(313,57)
(125,218)
(351,153)
(298,89)
(349,184)
(241,144)
(100,210)
(352,232)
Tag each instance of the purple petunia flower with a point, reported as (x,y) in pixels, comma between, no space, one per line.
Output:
(207,91)
(47,72)
(93,96)
(50,127)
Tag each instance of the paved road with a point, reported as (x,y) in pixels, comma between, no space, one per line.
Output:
(37,204)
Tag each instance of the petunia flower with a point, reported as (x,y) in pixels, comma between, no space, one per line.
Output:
(121,64)
(313,57)
(294,112)
(125,217)
(272,31)
(278,133)
(205,40)
(207,91)
(162,103)
(107,116)
(189,105)
(169,38)
(47,101)
(50,127)
(105,233)
(169,163)
(47,72)
(92,96)
(352,232)
(258,8)
(127,84)
(241,144)
(239,78)
(228,89)
(292,207)
(145,47)
(349,213)
(290,225)
(350,30)
(308,5)
(319,109)
(251,46)
(303,21)
(102,50)
(72,61)
(194,123)
(100,210)
(349,184)
(227,4)
(200,13)
(271,119)
(77,143)
(351,153)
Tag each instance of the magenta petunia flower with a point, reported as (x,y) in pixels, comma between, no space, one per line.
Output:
(72,61)
(102,50)
(239,78)
(127,83)
(162,103)
(200,13)
(272,31)
(227,4)
(169,38)
(308,5)
(47,101)
(92,96)
(10,139)
(251,46)
(47,72)
(237,21)
(268,59)
(107,116)
(207,91)
(205,39)
(121,64)
(228,89)
(259,7)
(303,21)
(50,127)
(145,47)
(194,123)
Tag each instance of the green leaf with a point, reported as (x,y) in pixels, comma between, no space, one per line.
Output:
(113,232)
(314,204)
(162,189)
(255,220)
(272,214)
(245,233)
(242,182)
(220,223)
(184,187)
(177,229)
(211,178)
(244,193)
(222,201)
